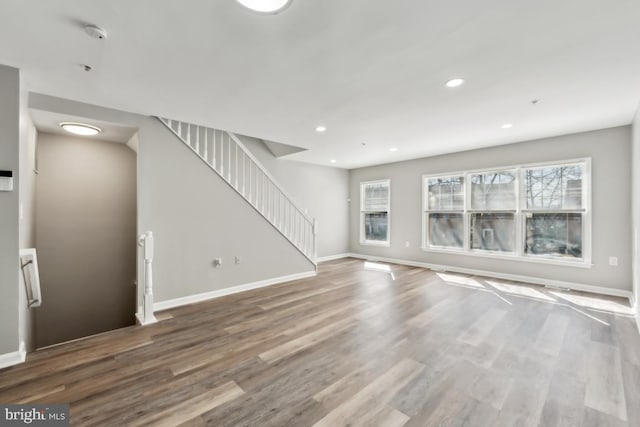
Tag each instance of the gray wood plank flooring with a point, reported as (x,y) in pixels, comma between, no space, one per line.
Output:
(355,347)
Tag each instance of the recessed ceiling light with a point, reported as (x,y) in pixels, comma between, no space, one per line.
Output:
(393,149)
(321,129)
(455,82)
(265,6)
(506,126)
(333,160)
(80,128)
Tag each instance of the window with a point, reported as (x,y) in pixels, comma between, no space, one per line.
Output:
(536,213)
(374,212)
(444,215)
(493,207)
(554,210)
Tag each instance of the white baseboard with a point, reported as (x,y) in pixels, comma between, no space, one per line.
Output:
(504,276)
(177,302)
(15,358)
(332,257)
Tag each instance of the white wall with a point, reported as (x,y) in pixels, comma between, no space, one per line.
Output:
(9,225)
(610,150)
(635,197)
(320,190)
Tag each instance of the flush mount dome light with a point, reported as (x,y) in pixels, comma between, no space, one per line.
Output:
(80,128)
(455,82)
(266,6)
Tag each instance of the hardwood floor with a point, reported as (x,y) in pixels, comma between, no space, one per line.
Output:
(356,347)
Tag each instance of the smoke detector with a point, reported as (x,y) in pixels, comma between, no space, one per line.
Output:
(96,32)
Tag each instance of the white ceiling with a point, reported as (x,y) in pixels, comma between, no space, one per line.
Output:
(372,71)
(49,122)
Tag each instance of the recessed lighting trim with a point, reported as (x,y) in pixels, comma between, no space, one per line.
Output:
(321,129)
(80,128)
(333,160)
(506,126)
(455,82)
(266,6)
(393,149)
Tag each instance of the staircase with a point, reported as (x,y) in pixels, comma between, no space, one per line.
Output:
(233,162)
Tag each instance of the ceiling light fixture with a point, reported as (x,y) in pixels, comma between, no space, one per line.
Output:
(393,149)
(321,129)
(266,6)
(506,126)
(333,160)
(455,82)
(80,128)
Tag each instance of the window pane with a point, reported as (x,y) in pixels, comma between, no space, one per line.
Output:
(446,194)
(557,234)
(375,226)
(446,230)
(554,187)
(376,197)
(493,191)
(493,231)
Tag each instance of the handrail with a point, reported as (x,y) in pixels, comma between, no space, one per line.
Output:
(147,317)
(250,179)
(268,175)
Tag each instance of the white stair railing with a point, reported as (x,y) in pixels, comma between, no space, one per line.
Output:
(145,312)
(229,158)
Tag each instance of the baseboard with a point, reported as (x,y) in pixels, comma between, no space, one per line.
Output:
(503,276)
(332,257)
(15,358)
(191,299)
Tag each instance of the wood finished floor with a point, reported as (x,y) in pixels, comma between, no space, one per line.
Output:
(355,347)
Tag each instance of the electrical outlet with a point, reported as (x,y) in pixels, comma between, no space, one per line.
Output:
(407,244)
(217,262)
(613,261)
(237,260)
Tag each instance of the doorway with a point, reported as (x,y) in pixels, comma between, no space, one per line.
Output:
(85,235)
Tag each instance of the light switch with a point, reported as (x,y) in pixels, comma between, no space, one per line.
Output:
(6,180)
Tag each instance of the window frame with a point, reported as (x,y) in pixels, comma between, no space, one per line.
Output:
(519,215)
(363,241)
(426,211)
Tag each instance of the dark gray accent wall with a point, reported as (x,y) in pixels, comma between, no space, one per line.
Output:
(610,151)
(85,237)
(9,208)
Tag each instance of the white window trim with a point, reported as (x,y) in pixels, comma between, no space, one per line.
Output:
(518,254)
(385,243)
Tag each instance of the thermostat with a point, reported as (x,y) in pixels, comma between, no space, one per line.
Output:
(6,180)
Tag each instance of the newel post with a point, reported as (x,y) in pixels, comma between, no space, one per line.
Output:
(315,240)
(145,240)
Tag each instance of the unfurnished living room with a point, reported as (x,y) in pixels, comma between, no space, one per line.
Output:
(320,213)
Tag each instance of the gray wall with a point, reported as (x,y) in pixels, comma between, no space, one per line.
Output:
(610,150)
(28,135)
(86,237)
(322,191)
(196,217)
(635,197)
(9,160)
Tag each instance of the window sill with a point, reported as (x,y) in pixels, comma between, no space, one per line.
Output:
(374,243)
(526,258)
